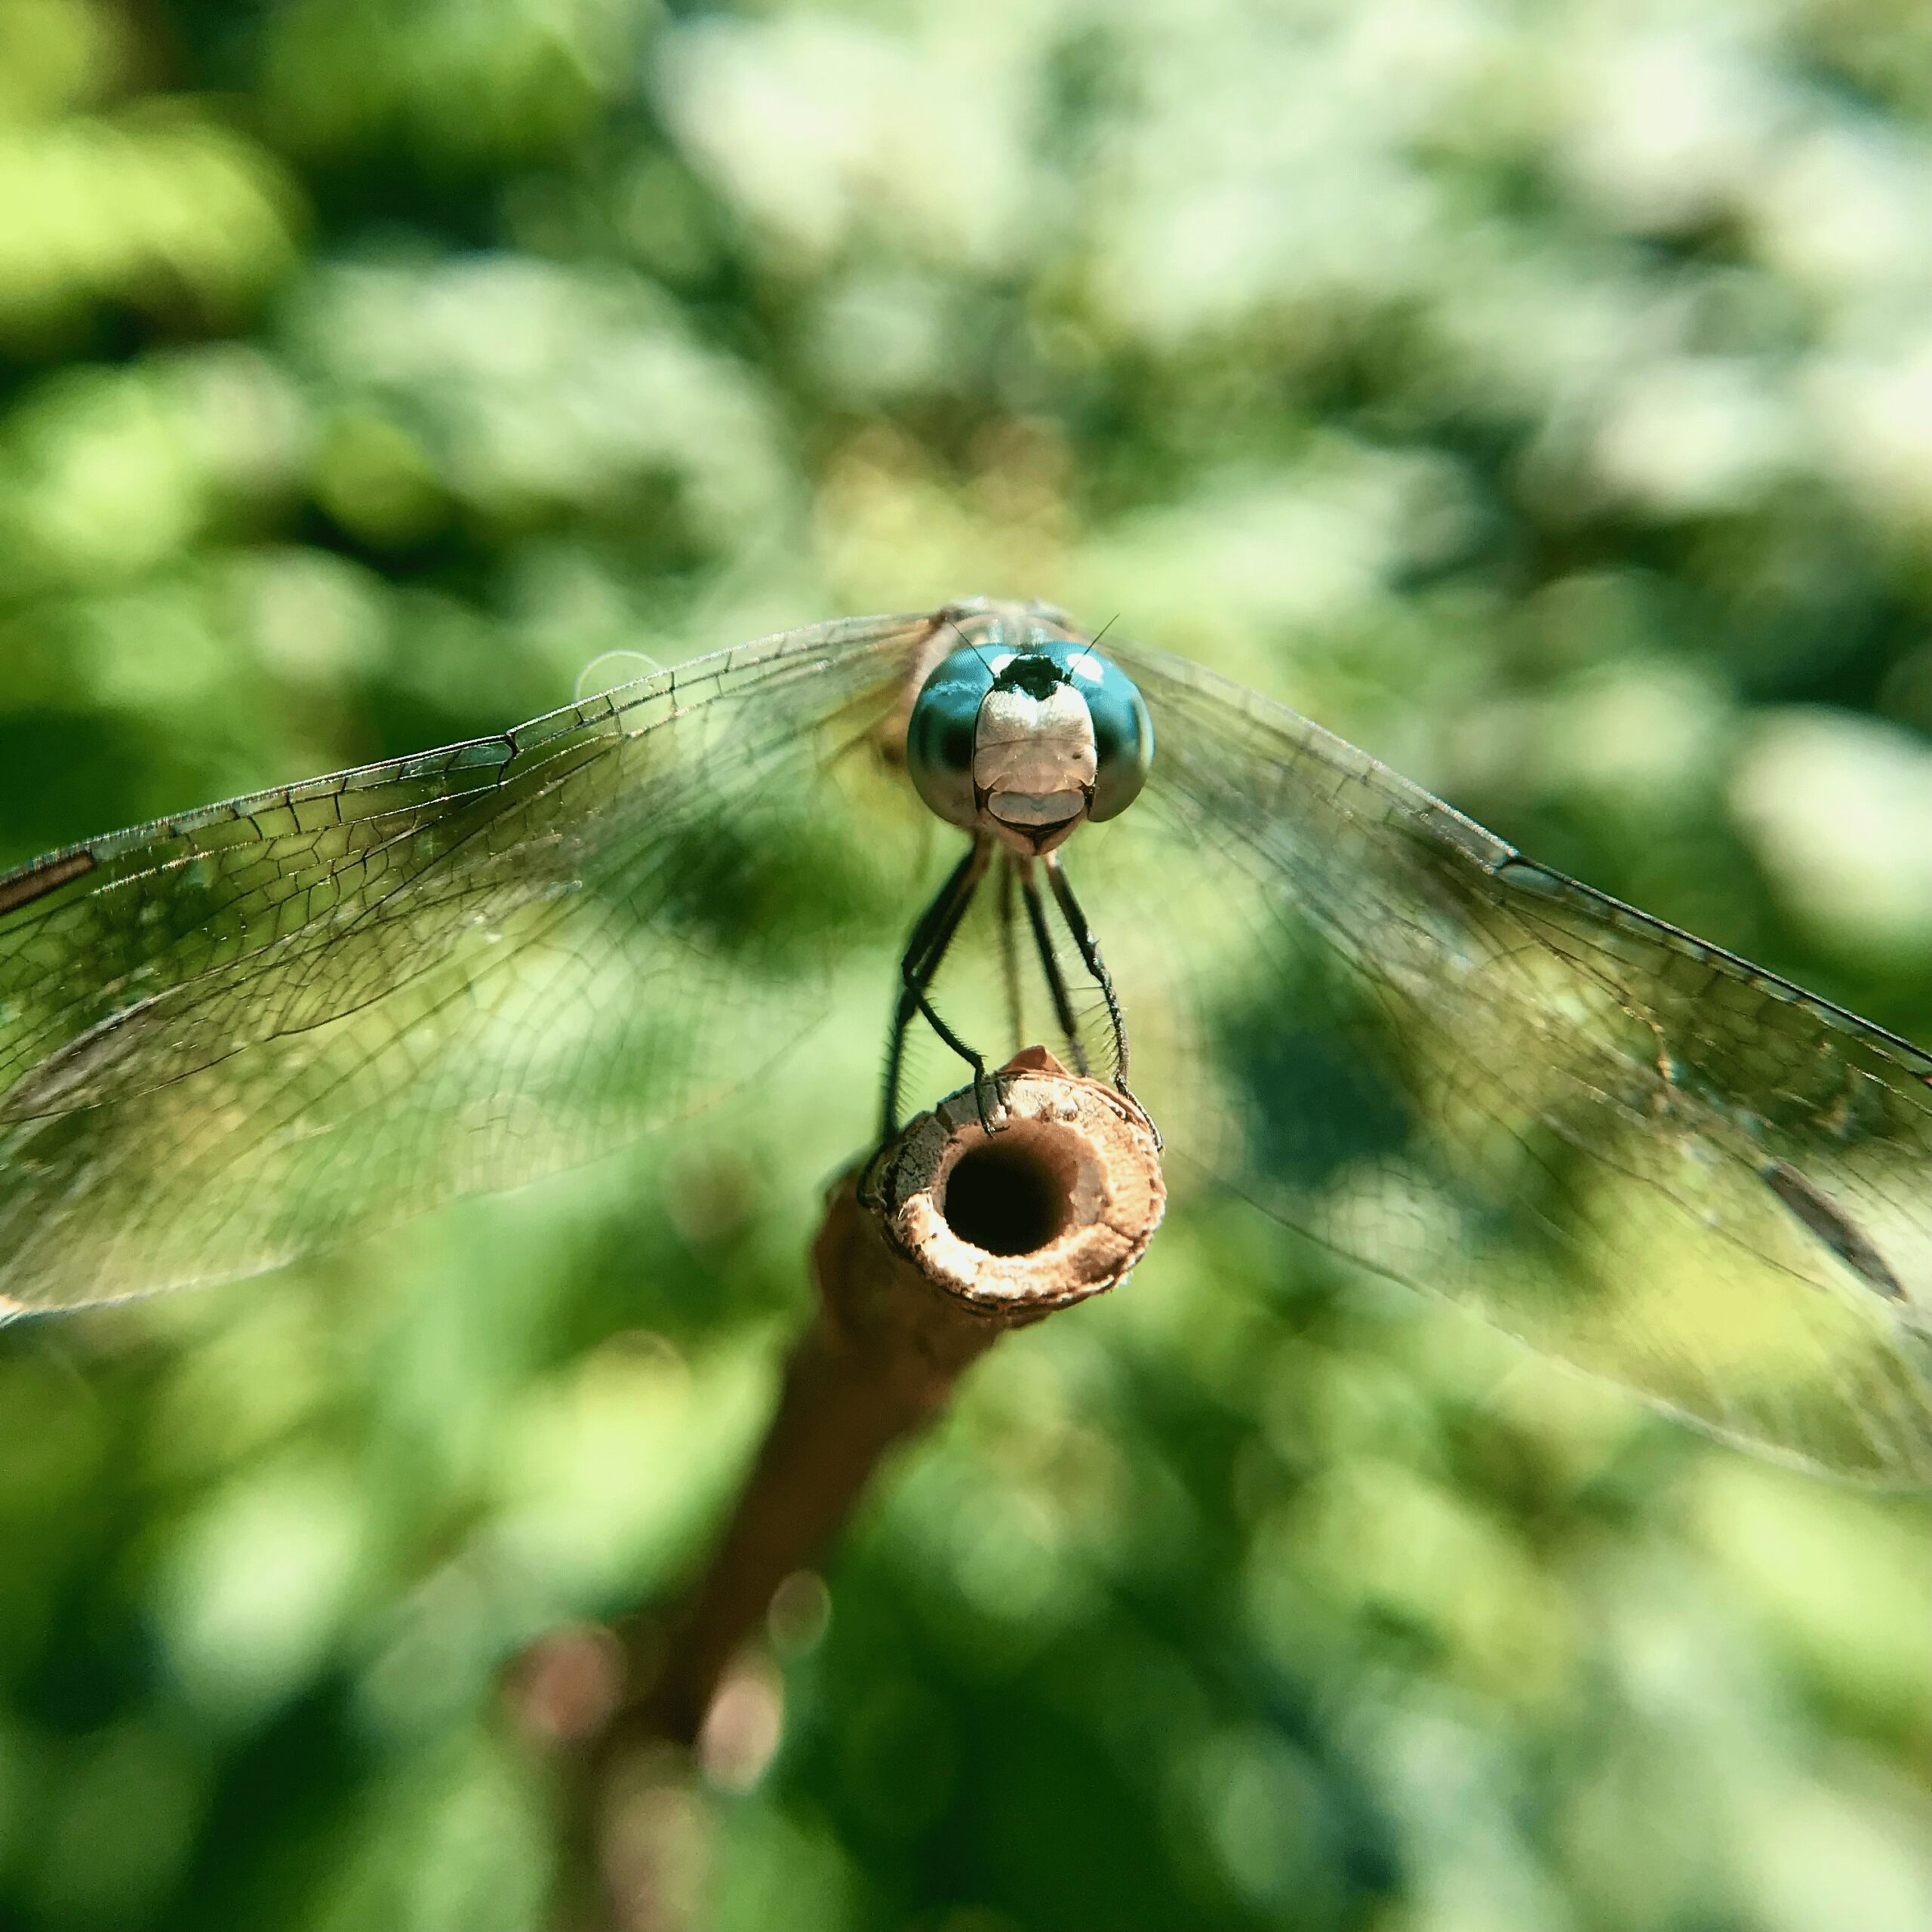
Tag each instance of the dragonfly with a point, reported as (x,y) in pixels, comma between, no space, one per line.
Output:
(241,1034)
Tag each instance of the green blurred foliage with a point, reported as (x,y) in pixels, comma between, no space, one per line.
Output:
(1537,395)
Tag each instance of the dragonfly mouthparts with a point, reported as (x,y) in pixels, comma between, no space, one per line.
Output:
(1041,818)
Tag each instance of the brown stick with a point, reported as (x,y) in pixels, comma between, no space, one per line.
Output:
(948,1240)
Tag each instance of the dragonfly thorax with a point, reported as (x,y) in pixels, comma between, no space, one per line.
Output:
(1027,745)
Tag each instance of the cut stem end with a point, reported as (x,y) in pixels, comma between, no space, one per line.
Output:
(1058,1203)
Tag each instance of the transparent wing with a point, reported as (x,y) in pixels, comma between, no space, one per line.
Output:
(1637,1152)
(237,1035)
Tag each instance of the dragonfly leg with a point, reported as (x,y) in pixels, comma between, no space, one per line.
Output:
(925,950)
(1009,954)
(1043,944)
(1089,954)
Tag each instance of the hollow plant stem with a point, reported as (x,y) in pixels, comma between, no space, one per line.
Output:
(907,1302)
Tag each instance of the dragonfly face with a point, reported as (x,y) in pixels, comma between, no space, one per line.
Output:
(1025,731)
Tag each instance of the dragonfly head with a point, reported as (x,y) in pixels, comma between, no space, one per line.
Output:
(1027,732)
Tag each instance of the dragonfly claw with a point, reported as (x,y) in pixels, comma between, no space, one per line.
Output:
(1127,1092)
(991,1117)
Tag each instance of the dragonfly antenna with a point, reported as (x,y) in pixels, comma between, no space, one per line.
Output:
(977,650)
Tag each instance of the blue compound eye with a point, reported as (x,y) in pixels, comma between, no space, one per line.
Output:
(939,734)
(1123,731)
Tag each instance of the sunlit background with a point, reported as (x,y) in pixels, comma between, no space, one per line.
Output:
(1540,396)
